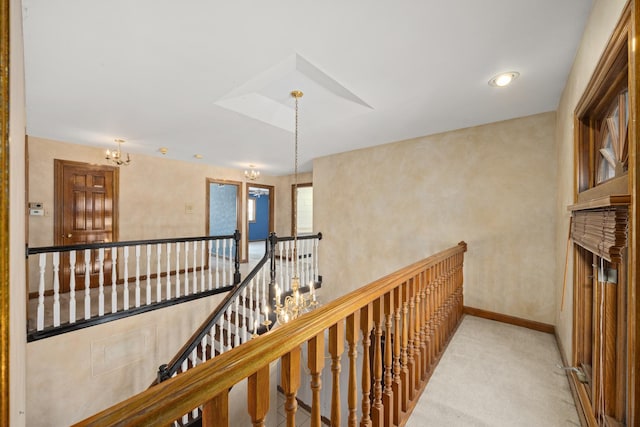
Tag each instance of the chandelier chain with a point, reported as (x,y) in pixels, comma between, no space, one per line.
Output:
(296,95)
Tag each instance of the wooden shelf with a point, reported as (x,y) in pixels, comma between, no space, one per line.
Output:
(602,202)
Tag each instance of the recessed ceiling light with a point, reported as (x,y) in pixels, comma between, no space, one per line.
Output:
(198,156)
(504,79)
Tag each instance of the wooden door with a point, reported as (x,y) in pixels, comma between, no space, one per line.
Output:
(85,212)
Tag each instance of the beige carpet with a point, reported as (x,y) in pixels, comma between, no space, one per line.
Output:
(494,374)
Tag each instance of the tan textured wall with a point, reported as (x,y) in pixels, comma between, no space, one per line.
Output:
(17,313)
(492,186)
(601,23)
(74,375)
(153,193)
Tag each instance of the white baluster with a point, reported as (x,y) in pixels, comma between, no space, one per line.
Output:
(56,289)
(72,287)
(202,253)
(185,366)
(231,264)
(265,292)
(101,282)
(316,243)
(194,357)
(42,263)
(137,276)
(195,267)
(158,271)
(229,342)
(252,318)
(255,283)
(280,270)
(168,296)
(148,270)
(217,264)
(178,269)
(287,283)
(264,281)
(114,280)
(125,275)
(194,362)
(244,315)
(186,268)
(210,278)
(87,284)
(221,337)
(203,346)
(224,260)
(304,262)
(237,323)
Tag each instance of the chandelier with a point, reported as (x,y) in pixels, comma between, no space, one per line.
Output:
(297,303)
(116,156)
(253,174)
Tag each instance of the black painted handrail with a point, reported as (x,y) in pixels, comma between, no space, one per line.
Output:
(65,248)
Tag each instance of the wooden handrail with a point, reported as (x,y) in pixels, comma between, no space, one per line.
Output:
(169,400)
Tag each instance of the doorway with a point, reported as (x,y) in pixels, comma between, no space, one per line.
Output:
(85,211)
(260,208)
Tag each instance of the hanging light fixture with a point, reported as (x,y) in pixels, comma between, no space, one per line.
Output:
(116,156)
(253,174)
(297,303)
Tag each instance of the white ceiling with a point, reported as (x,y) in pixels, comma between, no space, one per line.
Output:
(213,77)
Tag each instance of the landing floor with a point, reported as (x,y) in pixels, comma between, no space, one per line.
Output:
(494,375)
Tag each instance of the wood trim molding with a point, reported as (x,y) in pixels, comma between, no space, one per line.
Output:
(4,212)
(512,320)
(239,204)
(573,383)
(633,291)
(272,204)
(293,199)
(602,202)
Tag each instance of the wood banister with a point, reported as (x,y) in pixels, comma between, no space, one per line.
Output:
(207,384)
(315,356)
(336,348)
(290,380)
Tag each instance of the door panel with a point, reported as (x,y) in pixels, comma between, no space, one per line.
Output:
(85,202)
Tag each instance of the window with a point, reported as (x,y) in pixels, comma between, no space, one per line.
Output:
(613,153)
(599,232)
(251,209)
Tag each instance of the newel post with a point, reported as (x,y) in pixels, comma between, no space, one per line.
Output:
(236,261)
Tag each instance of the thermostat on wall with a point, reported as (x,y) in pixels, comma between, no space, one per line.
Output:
(36,208)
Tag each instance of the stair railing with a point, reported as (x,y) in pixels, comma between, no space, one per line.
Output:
(417,309)
(247,310)
(125,278)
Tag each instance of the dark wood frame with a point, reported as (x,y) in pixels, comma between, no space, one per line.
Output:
(4,212)
(293,200)
(272,202)
(238,185)
(617,67)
